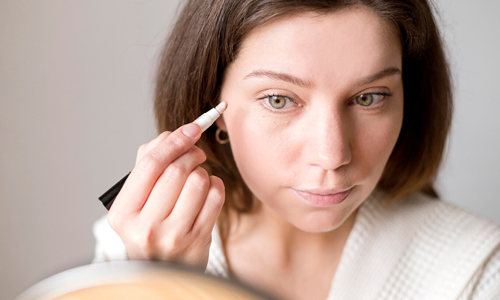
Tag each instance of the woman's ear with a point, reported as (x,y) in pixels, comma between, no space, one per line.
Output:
(220,123)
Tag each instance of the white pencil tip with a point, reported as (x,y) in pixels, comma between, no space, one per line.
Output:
(221,107)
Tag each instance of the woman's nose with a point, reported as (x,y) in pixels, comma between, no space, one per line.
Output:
(327,142)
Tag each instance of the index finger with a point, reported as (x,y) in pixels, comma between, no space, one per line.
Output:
(143,177)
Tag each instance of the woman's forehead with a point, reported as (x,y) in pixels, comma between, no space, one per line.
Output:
(355,39)
(348,20)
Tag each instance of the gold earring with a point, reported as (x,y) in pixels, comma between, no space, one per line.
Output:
(218,139)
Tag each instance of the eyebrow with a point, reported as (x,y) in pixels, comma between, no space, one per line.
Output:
(384,73)
(304,83)
(279,76)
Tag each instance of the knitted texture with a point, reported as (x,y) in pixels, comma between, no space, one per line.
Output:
(415,248)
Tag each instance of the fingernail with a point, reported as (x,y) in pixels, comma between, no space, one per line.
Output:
(191,130)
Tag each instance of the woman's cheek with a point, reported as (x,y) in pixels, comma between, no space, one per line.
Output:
(375,140)
(253,120)
(259,143)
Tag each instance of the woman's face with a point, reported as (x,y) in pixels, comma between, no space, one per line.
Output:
(315,106)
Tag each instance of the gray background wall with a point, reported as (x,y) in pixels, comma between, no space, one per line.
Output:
(75,104)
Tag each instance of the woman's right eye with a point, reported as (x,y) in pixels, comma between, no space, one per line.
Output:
(279,101)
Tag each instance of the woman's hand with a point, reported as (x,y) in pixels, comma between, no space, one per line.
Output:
(168,206)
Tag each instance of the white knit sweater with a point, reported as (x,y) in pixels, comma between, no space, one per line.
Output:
(415,248)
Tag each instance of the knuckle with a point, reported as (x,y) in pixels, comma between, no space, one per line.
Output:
(217,193)
(177,143)
(200,154)
(174,170)
(115,221)
(141,150)
(149,163)
(144,240)
(164,134)
(175,242)
(199,178)
(201,172)
(140,153)
(218,198)
(217,183)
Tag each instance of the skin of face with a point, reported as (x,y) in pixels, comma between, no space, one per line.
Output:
(324,138)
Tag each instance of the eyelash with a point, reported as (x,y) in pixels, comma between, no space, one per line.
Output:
(371,107)
(265,96)
(278,111)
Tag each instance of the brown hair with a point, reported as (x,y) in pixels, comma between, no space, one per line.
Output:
(206,39)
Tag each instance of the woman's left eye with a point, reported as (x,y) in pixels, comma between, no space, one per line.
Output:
(369,99)
(279,102)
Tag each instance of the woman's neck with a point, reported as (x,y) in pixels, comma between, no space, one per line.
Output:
(269,234)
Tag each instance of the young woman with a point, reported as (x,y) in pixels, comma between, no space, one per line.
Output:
(316,183)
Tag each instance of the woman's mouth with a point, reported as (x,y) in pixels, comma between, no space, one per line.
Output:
(322,197)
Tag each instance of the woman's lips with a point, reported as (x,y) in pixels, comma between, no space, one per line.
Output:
(322,199)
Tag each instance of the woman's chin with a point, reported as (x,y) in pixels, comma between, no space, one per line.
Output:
(319,223)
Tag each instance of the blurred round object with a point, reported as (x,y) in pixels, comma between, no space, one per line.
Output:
(125,280)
